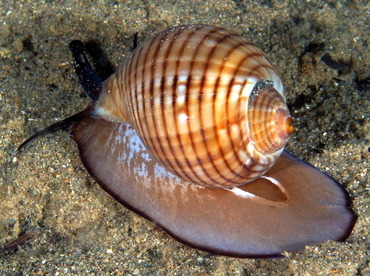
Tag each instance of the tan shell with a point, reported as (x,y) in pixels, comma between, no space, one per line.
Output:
(205,101)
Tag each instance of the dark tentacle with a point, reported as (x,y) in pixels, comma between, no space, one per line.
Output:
(90,81)
(66,122)
(134,41)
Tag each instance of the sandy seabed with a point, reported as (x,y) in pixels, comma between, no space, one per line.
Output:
(77,228)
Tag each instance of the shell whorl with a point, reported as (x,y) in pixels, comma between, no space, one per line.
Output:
(268,119)
(186,91)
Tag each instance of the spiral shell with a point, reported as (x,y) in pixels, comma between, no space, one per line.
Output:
(205,101)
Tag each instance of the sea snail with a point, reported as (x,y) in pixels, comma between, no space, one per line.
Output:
(190,132)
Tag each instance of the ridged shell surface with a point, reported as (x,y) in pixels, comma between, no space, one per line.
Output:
(187,92)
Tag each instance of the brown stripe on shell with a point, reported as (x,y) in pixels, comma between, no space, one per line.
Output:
(172,127)
(177,107)
(169,107)
(134,76)
(155,96)
(186,93)
(135,92)
(225,127)
(168,110)
(197,137)
(218,126)
(237,142)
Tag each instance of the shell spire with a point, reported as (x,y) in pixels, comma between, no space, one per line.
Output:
(269,121)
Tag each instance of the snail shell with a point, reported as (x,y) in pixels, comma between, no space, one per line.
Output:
(205,101)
